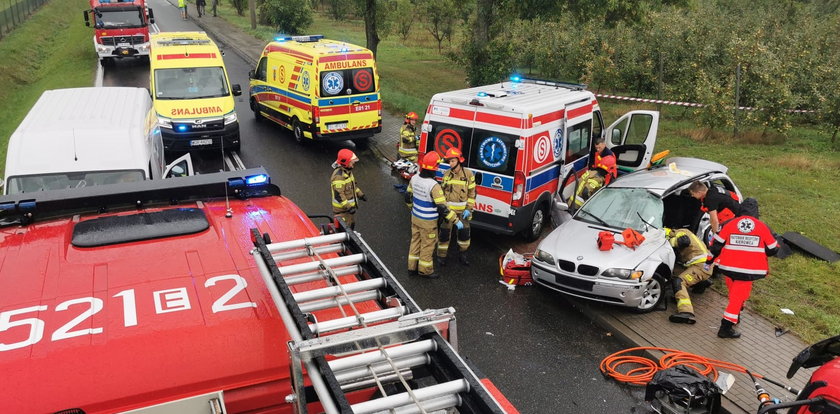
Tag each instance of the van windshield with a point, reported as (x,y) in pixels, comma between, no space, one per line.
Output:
(113,19)
(60,181)
(190,83)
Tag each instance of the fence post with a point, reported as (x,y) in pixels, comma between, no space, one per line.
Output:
(659,86)
(737,96)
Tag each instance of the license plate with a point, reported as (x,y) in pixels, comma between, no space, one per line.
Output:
(333,127)
(199,142)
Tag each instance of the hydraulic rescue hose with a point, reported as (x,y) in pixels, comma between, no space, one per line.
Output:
(641,369)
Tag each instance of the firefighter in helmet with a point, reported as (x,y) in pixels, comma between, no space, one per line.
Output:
(345,193)
(428,204)
(459,189)
(602,170)
(691,254)
(408,138)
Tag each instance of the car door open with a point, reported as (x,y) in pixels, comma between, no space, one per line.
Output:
(181,167)
(632,138)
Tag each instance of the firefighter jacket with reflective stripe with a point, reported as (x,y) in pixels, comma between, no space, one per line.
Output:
(459,189)
(344,190)
(427,201)
(696,251)
(742,247)
(408,140)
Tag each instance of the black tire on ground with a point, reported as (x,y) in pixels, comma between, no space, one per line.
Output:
(254,108)
(361,143)
(297,131)
(536,224)
(106,62)
(654,291)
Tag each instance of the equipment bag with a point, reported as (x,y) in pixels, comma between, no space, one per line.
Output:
(605,240)
(515,268)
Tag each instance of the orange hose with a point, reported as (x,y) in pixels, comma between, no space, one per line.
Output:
(642,369)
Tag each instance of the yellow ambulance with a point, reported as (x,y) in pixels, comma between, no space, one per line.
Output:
(319,89)
(192,93)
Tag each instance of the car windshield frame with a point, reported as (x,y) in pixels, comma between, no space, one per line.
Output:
(191,83)
(623,207)
(74,179)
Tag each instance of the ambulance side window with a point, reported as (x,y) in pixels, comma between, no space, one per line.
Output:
(493,151)
(444,136)
(260,73)
(579,140)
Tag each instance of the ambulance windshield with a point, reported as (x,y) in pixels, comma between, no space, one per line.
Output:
(107,18)
(61,181)
(190,83)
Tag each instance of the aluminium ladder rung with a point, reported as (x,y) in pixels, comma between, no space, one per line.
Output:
(398,400)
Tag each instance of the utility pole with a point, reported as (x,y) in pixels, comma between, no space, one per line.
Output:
(252,6)
(737,95)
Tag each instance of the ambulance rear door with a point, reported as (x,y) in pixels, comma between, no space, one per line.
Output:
(348,90)
(576,142)
(632,138)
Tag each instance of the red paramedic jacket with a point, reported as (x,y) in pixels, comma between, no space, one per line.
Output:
(742,248)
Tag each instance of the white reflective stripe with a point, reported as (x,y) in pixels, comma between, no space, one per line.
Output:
(744,248)
(720,239)
(408,150)
(773,245)
(456,203)
(730,316)
(697,259)
(412,257)
(742,270)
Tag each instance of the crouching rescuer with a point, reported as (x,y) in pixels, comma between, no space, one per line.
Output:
(459,190)
(425,197)
(693,255)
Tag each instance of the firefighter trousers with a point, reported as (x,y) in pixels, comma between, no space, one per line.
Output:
(422,247)
(347,217)
(445,235)
(739,292)
(408,153)
(589,183)
(692,275)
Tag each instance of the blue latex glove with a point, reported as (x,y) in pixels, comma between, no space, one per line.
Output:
(459,225)
(467,214)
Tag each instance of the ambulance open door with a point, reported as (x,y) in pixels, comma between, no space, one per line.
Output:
(632,138)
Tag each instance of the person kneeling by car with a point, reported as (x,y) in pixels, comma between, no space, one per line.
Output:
(693,255)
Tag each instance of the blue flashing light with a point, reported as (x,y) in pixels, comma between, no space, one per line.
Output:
(235,183)
(181,128)
(26,206)
(482,94)
(281,38)
(515,78)
(256,179)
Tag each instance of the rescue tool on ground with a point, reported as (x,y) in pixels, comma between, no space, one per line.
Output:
(320,89)
(212,293)
(526,140)
(121,28)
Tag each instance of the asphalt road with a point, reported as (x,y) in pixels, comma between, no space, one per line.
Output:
(536,347)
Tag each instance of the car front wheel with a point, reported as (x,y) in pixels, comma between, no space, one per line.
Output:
(652,293)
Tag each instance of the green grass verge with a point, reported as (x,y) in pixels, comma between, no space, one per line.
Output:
(53,49)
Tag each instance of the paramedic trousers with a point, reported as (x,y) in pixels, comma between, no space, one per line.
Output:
(446,234)
(589,183)
(692,275)
(423,238)
(739,292)
(347,217)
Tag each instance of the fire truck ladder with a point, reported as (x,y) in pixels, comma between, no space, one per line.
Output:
(398,349)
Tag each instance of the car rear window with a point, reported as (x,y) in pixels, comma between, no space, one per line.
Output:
(106,231)
(347,82)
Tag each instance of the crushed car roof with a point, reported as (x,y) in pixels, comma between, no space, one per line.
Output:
(673,173)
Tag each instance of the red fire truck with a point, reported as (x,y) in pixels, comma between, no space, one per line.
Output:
(211,294)
(121,28)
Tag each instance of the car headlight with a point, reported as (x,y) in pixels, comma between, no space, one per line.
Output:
(543,256)
(230,118)
(630,274)
(165,122)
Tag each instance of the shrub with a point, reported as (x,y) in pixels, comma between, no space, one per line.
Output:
(288,16)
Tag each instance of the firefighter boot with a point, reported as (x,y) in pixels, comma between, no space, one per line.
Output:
(441,261)
(463,259)
(433,275)
(683,317)
(727,330)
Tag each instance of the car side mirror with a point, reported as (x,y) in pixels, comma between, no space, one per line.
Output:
(87,20)
(151,17)
(561,206)
(252,74)
(237,90)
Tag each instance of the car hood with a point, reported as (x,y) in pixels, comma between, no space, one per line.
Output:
(577,242)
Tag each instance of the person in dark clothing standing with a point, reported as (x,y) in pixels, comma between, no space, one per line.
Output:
(722,205)
(199,5)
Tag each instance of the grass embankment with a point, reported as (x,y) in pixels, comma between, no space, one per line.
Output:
(53,49)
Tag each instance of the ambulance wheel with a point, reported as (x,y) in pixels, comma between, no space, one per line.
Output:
(106,62)
(653,291)
(361,143)
(257,115)
(536,224)
(297,130)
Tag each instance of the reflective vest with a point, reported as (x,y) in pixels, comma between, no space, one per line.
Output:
(459,189)
(742,247)
(426,196)
(344,190)
(696,252)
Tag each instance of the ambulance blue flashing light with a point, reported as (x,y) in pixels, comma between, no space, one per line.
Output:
(282,38)
(256,179)
(309,38)
(182,128)
(482,94)
(515,78)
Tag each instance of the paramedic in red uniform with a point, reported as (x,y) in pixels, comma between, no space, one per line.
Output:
(602,170)
(741,249)
(721,205)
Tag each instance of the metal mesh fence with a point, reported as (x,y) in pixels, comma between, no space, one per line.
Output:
(14,12)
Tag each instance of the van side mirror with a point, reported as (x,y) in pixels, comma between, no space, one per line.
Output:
(151,17)
(252,74)
(87,19)
(237,90)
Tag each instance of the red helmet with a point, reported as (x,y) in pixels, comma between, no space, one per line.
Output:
(454,153)
(430,161)
(411,115)
(345,156)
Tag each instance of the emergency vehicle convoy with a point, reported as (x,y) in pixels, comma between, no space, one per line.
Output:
(155,297)
(522,137)
(319,89)
(121,28)
(192,93)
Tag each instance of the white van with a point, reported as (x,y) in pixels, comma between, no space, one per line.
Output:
(81,137)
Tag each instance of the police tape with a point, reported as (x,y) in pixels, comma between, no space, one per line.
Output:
(689,104)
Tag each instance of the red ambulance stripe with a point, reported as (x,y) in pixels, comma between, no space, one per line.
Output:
(551,116)
(550,186)
(493,193)
(583,110)
(297,69)
(351,56)
(461,114)
(294,77)
(299,104)
(274,48)
(185,56)
(499,120)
